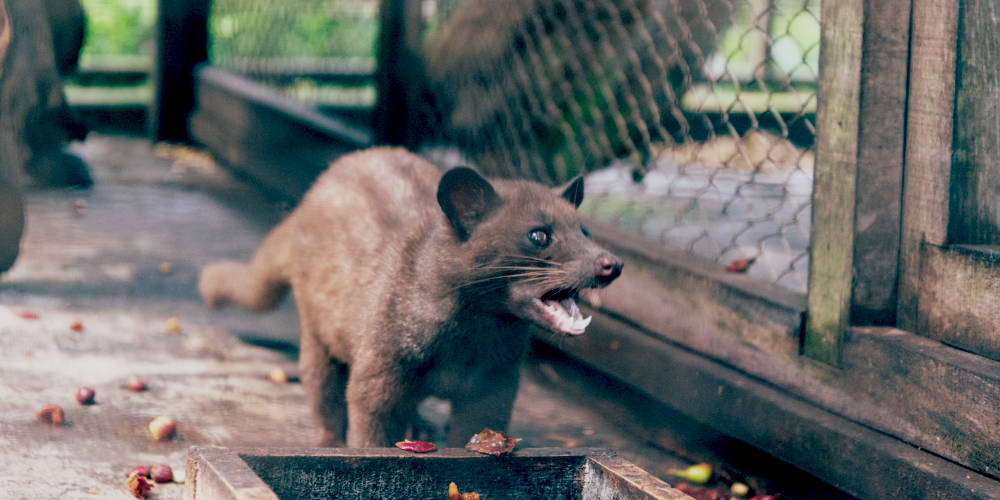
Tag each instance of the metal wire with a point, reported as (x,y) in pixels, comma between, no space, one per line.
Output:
(693,120)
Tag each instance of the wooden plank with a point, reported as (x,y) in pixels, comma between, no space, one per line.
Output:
(832,247)
(858,460)
(181,44)
(880,161)
(975,197)
(930,111)
(398,74)
(890,380)
(959,300)
(281,144)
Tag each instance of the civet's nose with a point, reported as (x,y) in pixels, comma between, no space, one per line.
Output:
(607,267)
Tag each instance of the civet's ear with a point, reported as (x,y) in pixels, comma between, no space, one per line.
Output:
(467,199)
(573,191)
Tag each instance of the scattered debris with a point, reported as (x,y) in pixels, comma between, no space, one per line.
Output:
(739,489)
(79,207)
(698,473)
(161,473)
(740,265)
(135,384)
(172,326)
(142,470)
(453,493)
(51,414)
(492,442)
(76,325)
(278,376)
(416,446)
(166,267)
(27,314)
(138,485)
(85,395)
(162,428)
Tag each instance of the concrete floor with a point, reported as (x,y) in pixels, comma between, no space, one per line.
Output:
(94,256)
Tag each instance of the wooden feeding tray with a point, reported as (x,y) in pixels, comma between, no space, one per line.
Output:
(341,473)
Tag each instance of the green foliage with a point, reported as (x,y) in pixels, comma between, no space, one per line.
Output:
(119,27)
(296,28)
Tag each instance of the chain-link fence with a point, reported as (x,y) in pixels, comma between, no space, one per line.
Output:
(693,120)
(321,52)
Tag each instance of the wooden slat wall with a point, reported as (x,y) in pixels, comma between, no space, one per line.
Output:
(930,111)
(975,200)
(916,389)
(884,70)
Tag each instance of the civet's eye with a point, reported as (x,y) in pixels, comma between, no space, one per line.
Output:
(584,230)
(540,237)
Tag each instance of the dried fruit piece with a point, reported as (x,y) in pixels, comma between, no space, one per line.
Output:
(161,473)
(698,473)
(162,427)
(135,384)
(51,414)
(138,485)
(453,492)
(85,395)
(142,470)
(739,489)
(277,376)
(470,496)
(172,325)
(79,207)
(741,265)
(76,325)
(492,442)
(416,446)
(27,314)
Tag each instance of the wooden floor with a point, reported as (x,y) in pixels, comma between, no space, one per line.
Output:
(95,256)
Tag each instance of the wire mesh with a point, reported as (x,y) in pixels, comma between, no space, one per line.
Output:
(321,52)
(693,120)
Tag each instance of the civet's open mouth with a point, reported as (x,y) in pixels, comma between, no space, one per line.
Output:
(559,308)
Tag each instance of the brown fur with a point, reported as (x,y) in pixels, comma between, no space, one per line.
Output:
(409,285)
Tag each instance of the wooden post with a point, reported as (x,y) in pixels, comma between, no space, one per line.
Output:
(877,216)
(398,74)
(930,111)
(181,44)
(975,174)
(837,119)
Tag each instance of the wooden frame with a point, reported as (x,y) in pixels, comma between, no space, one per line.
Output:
(241,473)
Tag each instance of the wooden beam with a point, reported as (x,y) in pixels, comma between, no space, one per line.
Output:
(880,161)
(975,174)
(279,143)
(960,297)
(832,247)
(856,459)
(930,112)
(181,44)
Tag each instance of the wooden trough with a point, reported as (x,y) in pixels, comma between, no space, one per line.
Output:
(283,473)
